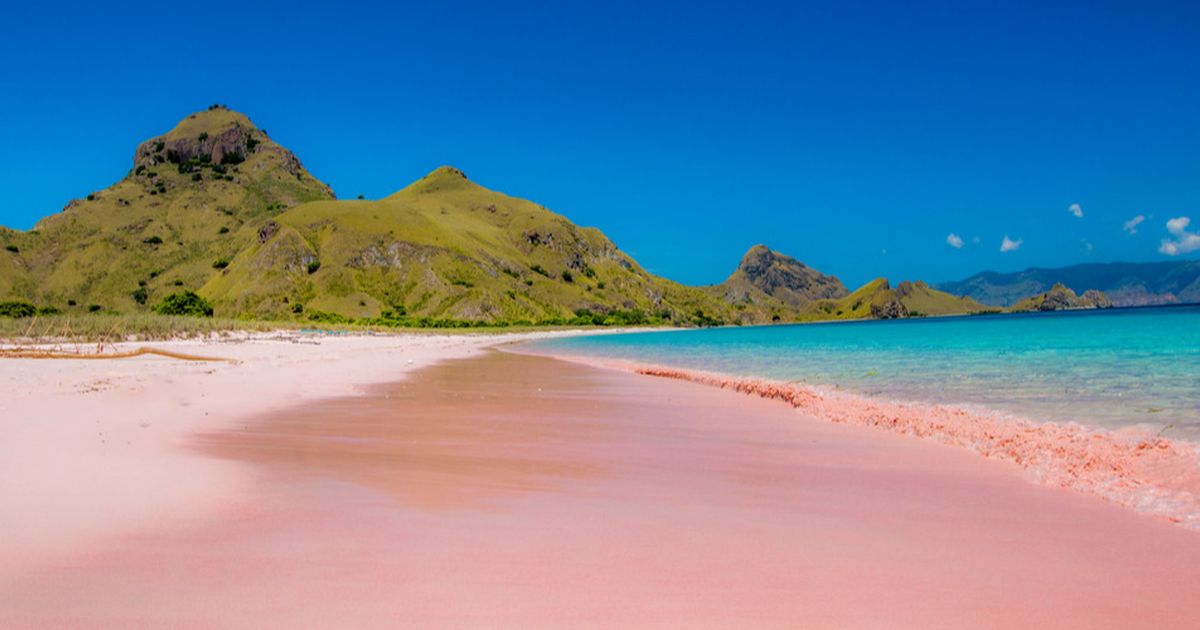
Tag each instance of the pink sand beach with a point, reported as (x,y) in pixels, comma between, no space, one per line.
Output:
(431,481)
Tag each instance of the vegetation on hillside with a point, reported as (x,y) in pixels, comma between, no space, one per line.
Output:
(216,220)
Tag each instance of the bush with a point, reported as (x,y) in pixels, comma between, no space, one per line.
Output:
(17,310)
(224,230)
(539,270)
(94,308)
(140,295)
(567,277)
(186,303)
(197,177)
(314,266)
(203,136)
(48,310)
(153,240)
(220,263)
(13,248)
(71,302)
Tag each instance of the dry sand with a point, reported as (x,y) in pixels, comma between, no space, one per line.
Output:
(505,490)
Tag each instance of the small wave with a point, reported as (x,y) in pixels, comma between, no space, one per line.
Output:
(1152,475)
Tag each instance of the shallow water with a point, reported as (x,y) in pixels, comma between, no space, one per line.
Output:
(1112,369)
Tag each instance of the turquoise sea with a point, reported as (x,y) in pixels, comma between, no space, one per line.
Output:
(1112,368)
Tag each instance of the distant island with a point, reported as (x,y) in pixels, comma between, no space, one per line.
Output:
(215,217)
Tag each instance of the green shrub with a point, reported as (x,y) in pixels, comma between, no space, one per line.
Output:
(91,197)
(567,277)
(220,263)
(178,283)
(17,310)
(329,318)
(71,302)
(297,308)
(462,283)
(13,248)
(186,303)
(539,270)
(48,310)
(197,177)
(153,240)
(224,230)
(203,136)
(140,295)
(94,308)
(314,266)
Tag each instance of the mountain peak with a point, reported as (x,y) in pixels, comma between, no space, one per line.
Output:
(441,179)
(781,277)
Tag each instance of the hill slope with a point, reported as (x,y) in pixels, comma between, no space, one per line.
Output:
(445,247)
(1126,284)
(878,300)
(215,206)
(164,224)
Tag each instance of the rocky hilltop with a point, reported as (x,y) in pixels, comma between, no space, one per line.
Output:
(1061,298)
(765,272)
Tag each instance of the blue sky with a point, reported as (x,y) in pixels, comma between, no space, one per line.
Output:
(856,136)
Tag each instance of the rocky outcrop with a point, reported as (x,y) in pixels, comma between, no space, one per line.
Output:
(1061,298)
(781,277)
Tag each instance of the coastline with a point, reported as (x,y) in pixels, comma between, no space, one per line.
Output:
(511,490)
(441,481)
(1146,473)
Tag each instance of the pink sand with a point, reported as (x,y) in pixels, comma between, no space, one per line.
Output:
(517,491)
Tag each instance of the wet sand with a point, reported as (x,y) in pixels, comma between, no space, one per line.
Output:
(517,491)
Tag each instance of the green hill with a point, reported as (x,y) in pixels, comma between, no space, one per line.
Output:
(216,207)
(164,224)
(878,300)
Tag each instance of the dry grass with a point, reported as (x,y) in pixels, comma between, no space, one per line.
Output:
(105,329)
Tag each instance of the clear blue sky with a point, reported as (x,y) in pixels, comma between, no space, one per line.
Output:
(856,136)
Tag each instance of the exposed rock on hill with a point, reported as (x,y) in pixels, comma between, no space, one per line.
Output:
(1061,298)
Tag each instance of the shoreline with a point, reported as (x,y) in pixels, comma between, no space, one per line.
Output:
(1151,475)
(511,490)
(90,448)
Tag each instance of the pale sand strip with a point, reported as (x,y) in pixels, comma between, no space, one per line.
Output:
(517,491)
(90,448)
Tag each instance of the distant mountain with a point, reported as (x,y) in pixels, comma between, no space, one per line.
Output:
(1126,284)
(1062,298)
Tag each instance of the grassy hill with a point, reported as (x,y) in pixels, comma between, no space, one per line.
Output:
(878,300)
(162,226)
(216,207)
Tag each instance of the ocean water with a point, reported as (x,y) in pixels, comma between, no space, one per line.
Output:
(1110,369)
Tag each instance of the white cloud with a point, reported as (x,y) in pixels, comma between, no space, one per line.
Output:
(1076,210)
(1009,245)
(1131,225)
(954,241)
(1184,240)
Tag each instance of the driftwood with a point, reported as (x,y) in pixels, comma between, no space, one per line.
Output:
(36,353)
